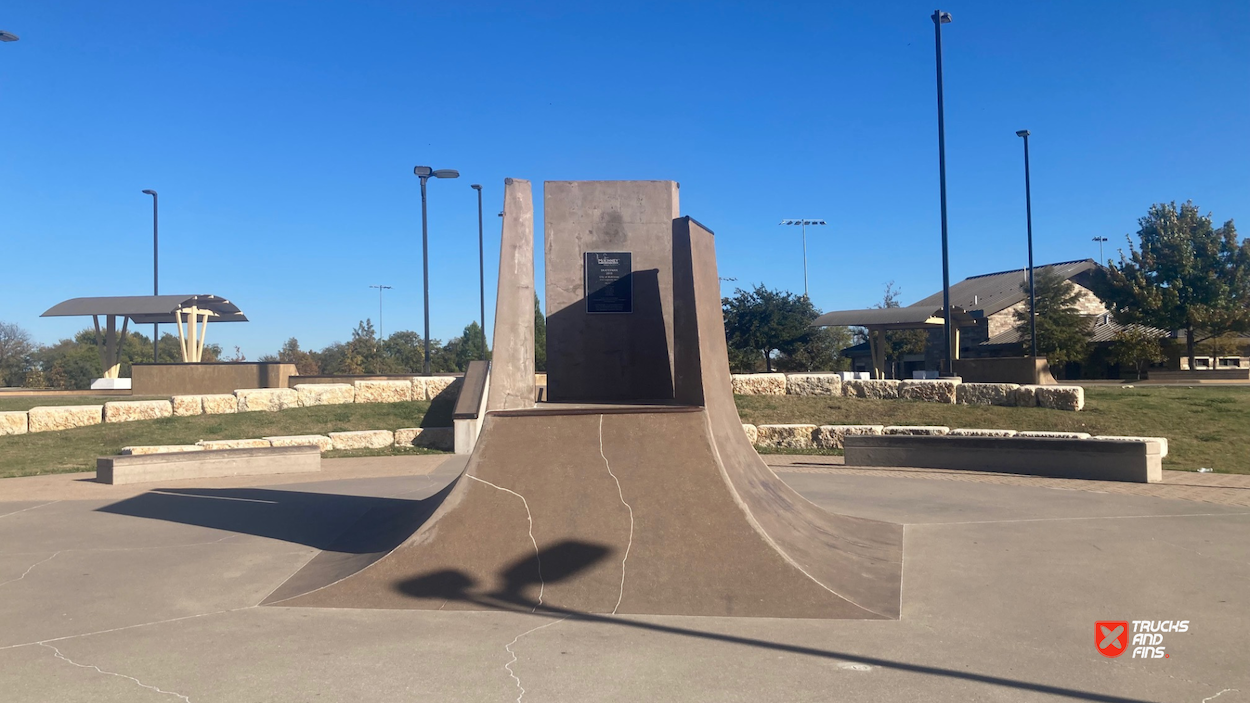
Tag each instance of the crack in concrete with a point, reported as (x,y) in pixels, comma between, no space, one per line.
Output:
(621,493)
(15,512)
(64,658)
(1210,698)
(529,517)
(125,627)
(29,569)
(508,648)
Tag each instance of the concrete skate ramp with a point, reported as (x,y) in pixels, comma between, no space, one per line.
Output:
(642,509)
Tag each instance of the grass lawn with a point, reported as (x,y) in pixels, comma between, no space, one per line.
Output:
(77,449)
(26,402)
(1204,426)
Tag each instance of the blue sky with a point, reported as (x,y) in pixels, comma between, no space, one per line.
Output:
(282,135)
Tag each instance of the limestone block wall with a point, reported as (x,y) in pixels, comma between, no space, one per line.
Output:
(132,410)
(64,417)
(758,383)
(13,423)
(1071,398)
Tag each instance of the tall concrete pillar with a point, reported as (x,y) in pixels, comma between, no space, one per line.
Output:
(597,354)
(512,360)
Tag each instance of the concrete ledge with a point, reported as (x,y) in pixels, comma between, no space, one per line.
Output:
(1096,460)
(209,464)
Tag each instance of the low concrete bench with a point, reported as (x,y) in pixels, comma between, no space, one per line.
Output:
(146,468)
(1091,459)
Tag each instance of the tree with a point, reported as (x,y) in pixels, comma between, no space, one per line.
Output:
(363,351)
(762,322)
(404,351)
(1138,347)
(1186,275)
(472,346)
(818,350)
(290,353)
(540,337)
(15,354)
(1062,331)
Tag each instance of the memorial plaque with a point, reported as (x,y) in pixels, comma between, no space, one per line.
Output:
(609,285)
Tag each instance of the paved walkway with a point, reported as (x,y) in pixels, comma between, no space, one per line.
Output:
(1221,489)
(152,593)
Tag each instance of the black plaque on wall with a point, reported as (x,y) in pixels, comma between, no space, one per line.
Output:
(609,283)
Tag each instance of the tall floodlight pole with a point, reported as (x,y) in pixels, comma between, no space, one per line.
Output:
(155,276)
(481,264)
(940,18)
(380,289)
(425,173)
(1101,241)
(1028,217)
(803,226)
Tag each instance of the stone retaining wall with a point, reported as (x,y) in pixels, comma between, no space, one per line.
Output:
(930,391)
(440,438)
(63,417)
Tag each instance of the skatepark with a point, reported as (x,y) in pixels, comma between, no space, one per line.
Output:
(620,541)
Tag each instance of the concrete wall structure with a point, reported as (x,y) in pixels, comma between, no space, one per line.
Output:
(1007,369)
(1100,460)
(625,356)
(208,377)
(512,371)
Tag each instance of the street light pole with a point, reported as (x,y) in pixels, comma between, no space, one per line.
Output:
(481,264)
(1028,215)
(940,18)
(380,289)
(425,173)
(1100,241)
(155,276)
(803,223)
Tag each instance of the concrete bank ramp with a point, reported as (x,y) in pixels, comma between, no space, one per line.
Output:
(626,510)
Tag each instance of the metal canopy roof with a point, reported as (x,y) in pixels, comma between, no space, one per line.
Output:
(147,309)
(898,318)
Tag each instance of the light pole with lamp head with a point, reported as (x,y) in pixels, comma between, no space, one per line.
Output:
(1101,241)
(481,264)
(425,173)
(156,358)
(7,37)
(803,224)
(940,18)
(380,289)
(1028,215)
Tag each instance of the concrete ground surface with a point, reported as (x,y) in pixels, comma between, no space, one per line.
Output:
(145,593)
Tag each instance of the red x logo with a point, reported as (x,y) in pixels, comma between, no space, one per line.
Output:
(1111,637)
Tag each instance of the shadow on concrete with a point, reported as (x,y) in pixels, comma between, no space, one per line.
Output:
(558,562)
(455,585)
(330,522)
(611,358)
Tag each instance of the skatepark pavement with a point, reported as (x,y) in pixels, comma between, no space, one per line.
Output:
(112,599)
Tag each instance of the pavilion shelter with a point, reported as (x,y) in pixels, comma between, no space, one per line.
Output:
(877,321)
(190,313)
